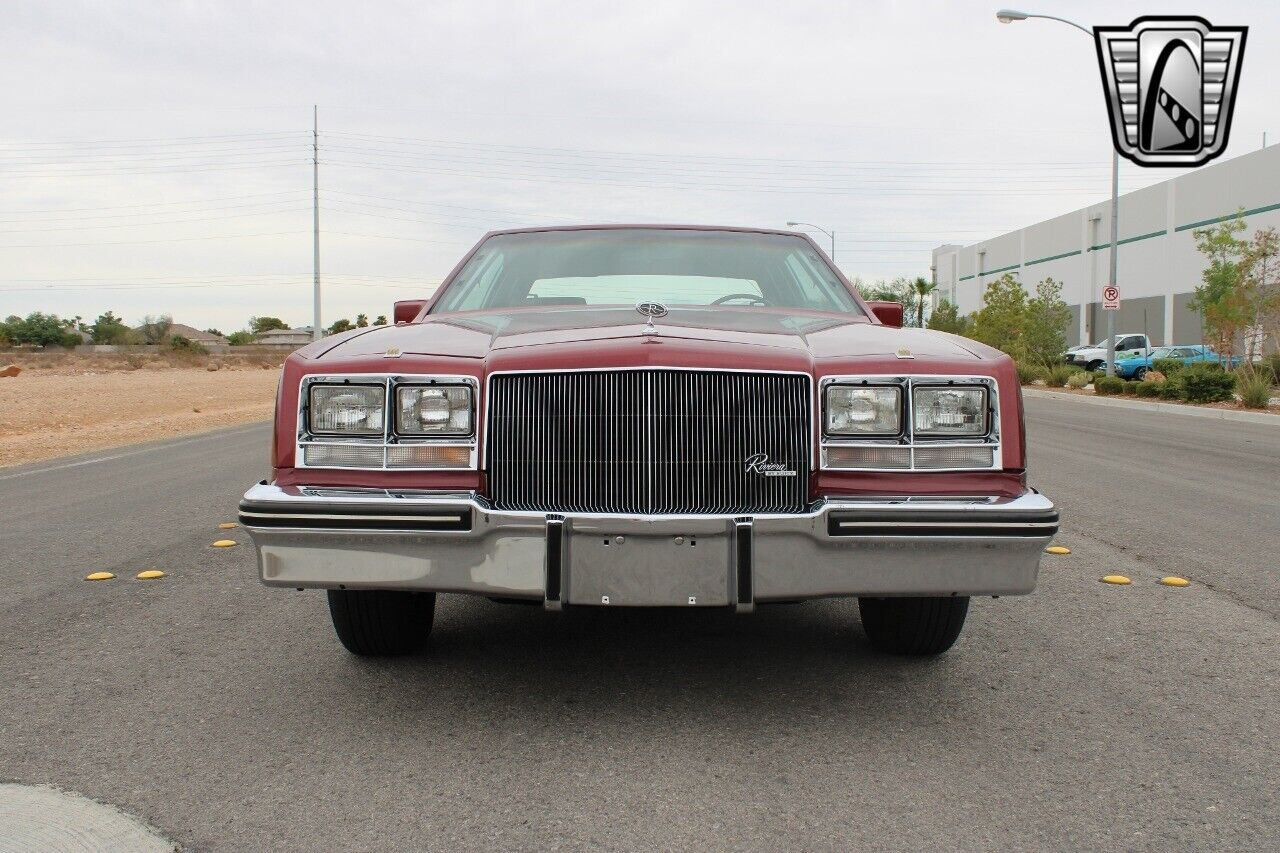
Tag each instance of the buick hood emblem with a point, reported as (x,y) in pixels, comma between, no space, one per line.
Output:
(651,310)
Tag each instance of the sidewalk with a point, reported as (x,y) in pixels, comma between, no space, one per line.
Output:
(1156,406)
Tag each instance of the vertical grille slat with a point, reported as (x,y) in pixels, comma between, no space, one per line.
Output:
(648,442)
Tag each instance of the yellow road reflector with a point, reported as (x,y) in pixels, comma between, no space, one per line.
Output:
(1175,581)
(1119,580)
(225,543)
(149,575)
(99,576)
(1057,549)
(227,525)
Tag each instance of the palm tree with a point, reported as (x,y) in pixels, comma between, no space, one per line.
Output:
(922,289)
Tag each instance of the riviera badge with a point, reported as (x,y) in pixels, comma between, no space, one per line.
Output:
(651,310)
(758,463)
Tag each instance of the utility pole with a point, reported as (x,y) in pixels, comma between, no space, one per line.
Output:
(1115,232)
(316,332)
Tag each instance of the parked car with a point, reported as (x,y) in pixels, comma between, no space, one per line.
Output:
(648,416)
(1136,367)
(1094,356)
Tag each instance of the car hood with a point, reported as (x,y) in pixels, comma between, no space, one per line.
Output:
(510,334)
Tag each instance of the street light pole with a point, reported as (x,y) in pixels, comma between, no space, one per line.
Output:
(1009,16)
(830,234)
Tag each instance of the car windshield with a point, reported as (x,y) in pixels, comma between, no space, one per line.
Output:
(621,267)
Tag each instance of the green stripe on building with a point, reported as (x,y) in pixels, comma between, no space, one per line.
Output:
(1215,220)
(1052,258)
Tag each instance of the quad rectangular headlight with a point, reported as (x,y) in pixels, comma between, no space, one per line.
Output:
(866,410)
(950,411)
(427,410)
(347,409)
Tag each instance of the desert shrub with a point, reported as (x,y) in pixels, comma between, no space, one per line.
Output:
(186,345)
(1077,380)
(1108,385)
(1172,389)
(1273,362)
(1154,376)
(1131,386)
(1207,383)
(1059,374)
(1167,366)
(134,360)
(1148,389)
(1028,373)
(1255,389)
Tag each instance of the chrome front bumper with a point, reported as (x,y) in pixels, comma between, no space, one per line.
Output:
(455,542)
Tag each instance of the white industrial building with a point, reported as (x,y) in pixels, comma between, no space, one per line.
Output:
(1159,266)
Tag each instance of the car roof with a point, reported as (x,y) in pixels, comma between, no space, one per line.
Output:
(652,227)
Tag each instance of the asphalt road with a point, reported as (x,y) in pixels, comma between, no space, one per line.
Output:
(1086,716)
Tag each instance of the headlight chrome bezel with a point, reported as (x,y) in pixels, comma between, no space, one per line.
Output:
(917,449)
(312,407)
(397,424)
(389,447)
(898,404)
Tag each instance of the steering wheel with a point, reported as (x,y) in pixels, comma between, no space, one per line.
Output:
(751,297)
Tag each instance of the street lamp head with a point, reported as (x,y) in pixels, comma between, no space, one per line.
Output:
(1008,16)
(792,224)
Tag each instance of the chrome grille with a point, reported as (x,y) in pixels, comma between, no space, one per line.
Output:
(648,442)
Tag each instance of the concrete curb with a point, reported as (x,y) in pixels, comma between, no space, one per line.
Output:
(1174,408)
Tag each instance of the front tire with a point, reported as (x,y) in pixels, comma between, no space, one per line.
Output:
(1140,373)
(1095,366)
(376,622)
(913,626)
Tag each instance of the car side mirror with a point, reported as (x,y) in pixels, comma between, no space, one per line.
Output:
(406,310)
(888,313)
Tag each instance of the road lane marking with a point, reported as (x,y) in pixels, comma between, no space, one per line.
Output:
(1173,580)
(228,525)
(99,576)
(125,455)
(225,543)
(1057,549)
(149,575)
(1118,580)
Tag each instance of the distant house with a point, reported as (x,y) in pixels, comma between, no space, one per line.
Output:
(196,335)
(292,338)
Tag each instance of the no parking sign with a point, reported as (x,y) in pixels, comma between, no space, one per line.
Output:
(1110,298)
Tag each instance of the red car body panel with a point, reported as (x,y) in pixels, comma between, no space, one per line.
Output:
(480,343)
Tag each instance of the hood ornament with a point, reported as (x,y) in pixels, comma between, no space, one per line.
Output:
(650,310)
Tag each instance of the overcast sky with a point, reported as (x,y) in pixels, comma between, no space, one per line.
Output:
(155,157)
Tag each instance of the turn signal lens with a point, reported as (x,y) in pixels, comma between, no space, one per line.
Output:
(428,456)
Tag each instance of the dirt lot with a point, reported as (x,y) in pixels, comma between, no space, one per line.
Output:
(70,404)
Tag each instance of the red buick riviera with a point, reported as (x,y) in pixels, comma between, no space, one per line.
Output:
(648,416)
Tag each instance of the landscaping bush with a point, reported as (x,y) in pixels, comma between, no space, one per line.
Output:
(1171,389)
(1148,389)
(1028,373)
(1108,385)
(1059,374)
(1078,380)
(1206,383)
(1167,366)
(1131,386)
(1255,389)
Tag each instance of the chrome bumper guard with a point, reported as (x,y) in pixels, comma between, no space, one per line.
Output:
(455,542)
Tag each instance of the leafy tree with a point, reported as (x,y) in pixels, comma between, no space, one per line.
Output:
(921,288)
(40,330)
(110,329)
(1219,300)
(1261,290)
(946,318)
(239,339)
(381,320)
(343,325)
(155,329)
(258,325)
(181,344)
(1001,320)
(215,332)
(899,290)
(362,321)
(1044,331)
